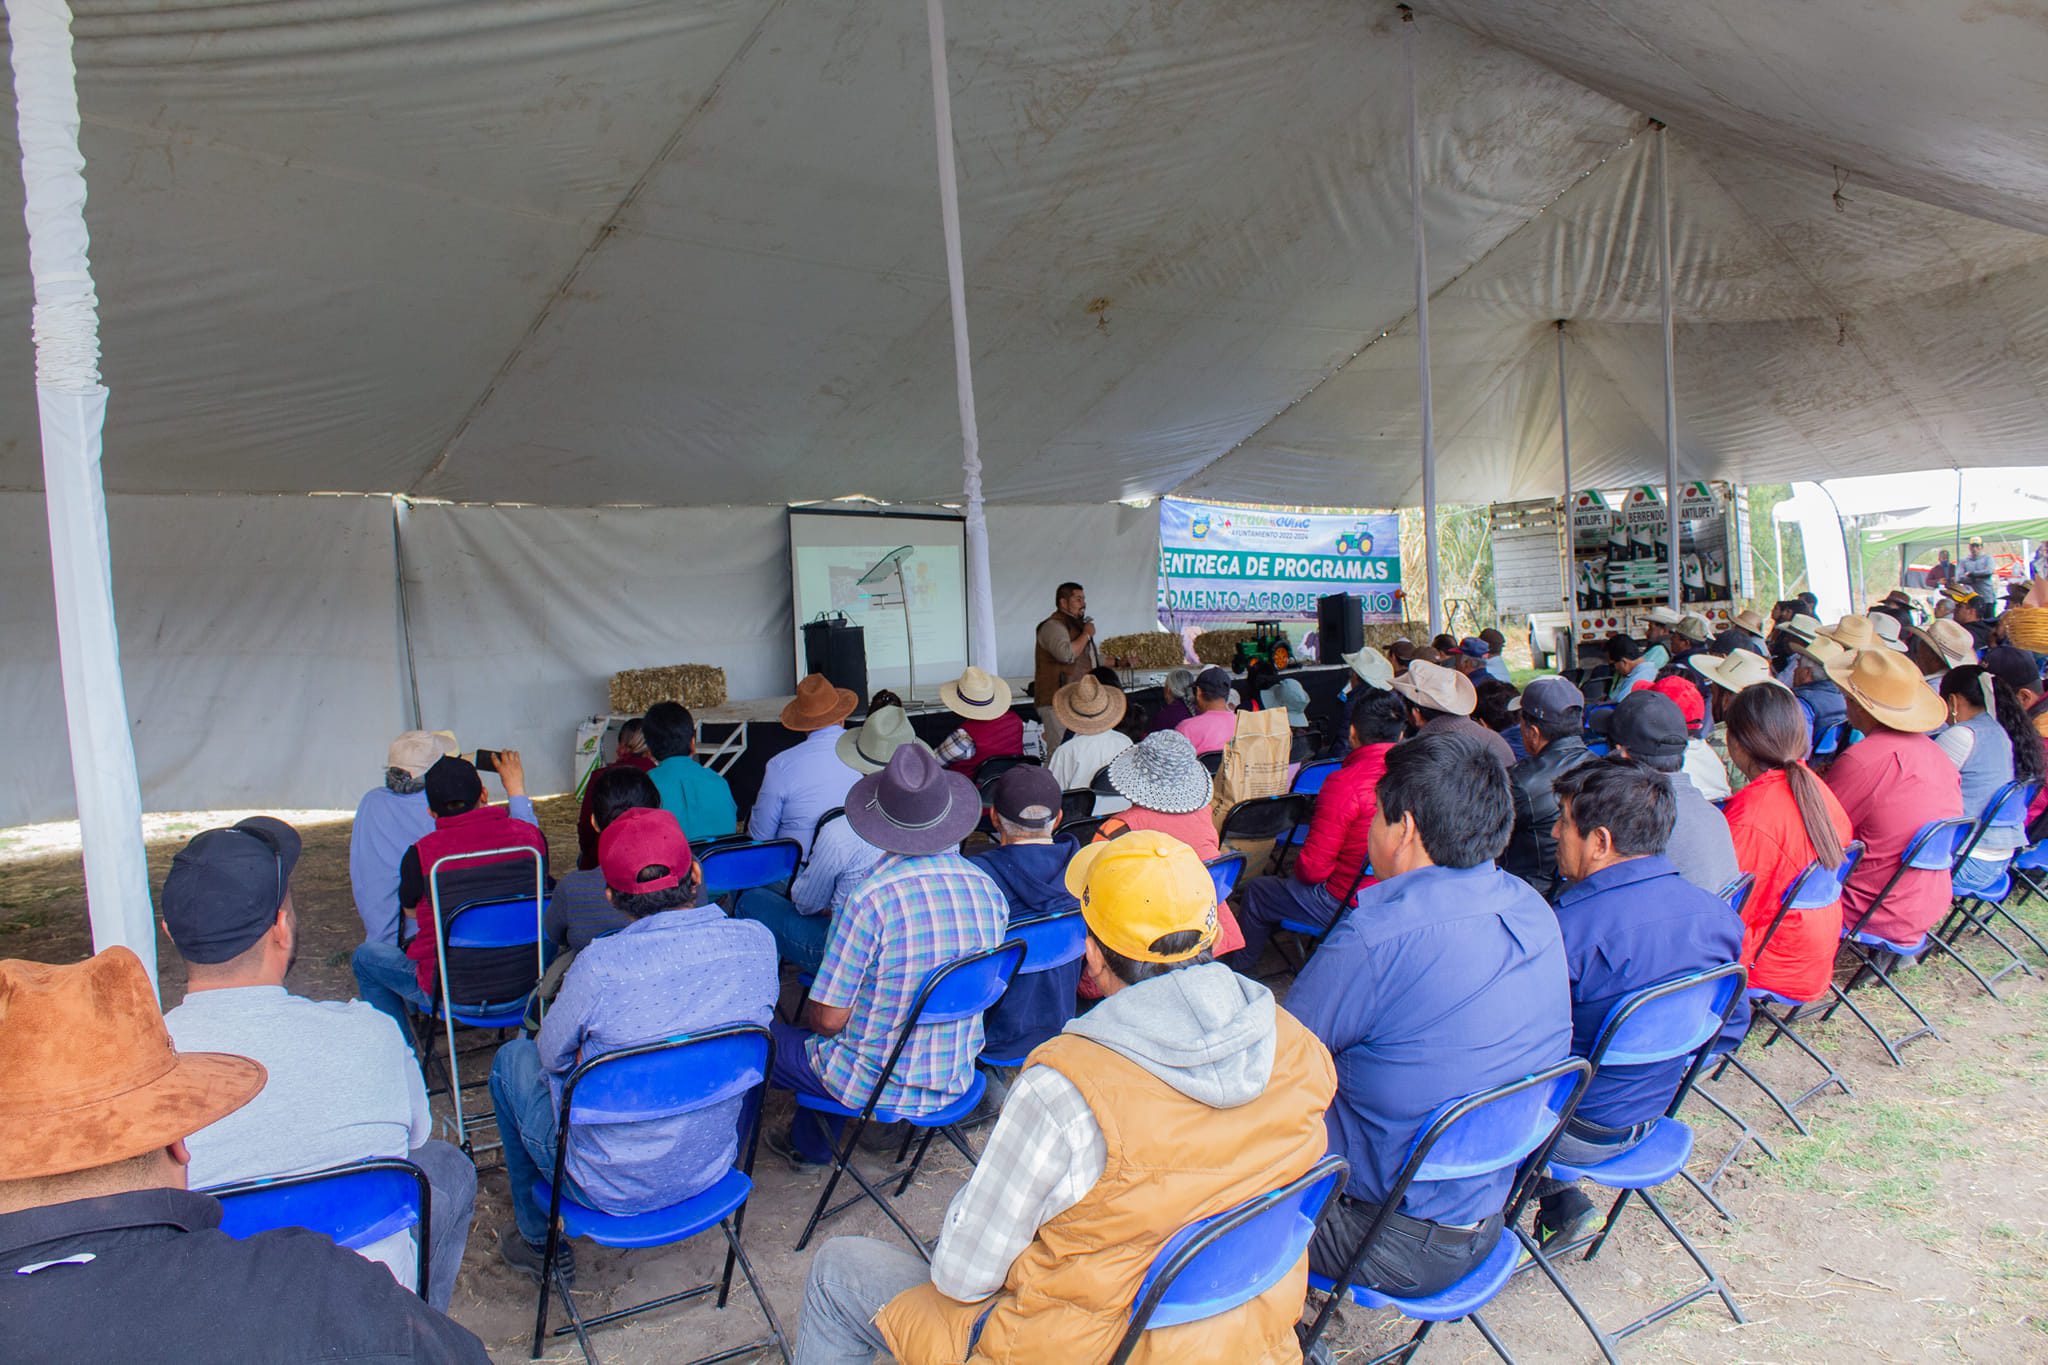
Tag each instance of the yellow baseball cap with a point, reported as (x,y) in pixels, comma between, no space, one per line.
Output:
(1141,886)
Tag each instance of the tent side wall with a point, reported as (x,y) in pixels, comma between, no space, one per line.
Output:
(261,649)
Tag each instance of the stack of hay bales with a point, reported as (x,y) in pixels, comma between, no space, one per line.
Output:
(1146,649)
(696,686)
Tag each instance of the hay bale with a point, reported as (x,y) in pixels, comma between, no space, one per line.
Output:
(694,685)
(1145,649)
(1220,646)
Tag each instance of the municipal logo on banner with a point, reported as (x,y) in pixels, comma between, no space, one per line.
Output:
(1223,563)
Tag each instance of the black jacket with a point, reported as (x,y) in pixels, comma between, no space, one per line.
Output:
(155,1280)
(1532,849)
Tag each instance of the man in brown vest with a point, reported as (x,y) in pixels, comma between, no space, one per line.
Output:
(1186,1091)
(1064,652)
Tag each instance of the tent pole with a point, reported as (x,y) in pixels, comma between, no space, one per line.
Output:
(1564,440)
(72,404)
(981,609)
(1429,537)
(400,506)
(1671,548)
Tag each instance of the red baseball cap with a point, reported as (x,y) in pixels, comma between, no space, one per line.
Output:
(1690,702)
(640,839)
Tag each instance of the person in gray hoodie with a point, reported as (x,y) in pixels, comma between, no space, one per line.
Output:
(1213,1036)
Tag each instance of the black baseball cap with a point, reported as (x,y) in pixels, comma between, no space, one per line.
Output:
(225,886)
(1026,795)
(1647,724)
(1213,682)
(452,785)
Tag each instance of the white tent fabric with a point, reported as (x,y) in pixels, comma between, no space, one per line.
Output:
(683,254)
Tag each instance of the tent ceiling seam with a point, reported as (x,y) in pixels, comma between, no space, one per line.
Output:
(605,232)
(1578,178)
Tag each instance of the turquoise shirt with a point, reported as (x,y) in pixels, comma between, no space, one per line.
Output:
(699,798)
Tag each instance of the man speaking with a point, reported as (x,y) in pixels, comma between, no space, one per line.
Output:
(1065,653)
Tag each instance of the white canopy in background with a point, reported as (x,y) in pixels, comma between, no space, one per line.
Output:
(686,253)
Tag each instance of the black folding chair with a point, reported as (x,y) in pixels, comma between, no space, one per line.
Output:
(1930,850)
(1267,817)
(1080,833)
(836,813)
(1076,805)
(960,990)
(1213,761)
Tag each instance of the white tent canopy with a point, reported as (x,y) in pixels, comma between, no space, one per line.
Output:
(685,254)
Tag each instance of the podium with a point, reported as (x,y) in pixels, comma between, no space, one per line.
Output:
(838,649)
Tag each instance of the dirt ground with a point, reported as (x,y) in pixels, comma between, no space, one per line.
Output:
(1911,1226)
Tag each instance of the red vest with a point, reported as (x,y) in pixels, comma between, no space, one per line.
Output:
(473,831)
(1002,737)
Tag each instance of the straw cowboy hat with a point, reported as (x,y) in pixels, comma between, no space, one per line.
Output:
(1695,627)
(868,748)
(1665,616)
(1436,688)
(817,704)
(1750,621)
(1087,707)
(1161,773)
(92,1077)
(1887,627)
(1890,689)
(1803,628)
(1951,640)
(1822,648)
(913,805)
(1853,632)
(1373,668)
(1734,671)
(975,695)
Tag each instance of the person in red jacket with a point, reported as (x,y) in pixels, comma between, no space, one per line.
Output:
(1783,821)
(1333,861)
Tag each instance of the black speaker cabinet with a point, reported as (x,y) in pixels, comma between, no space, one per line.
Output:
(839,650)
(1340,626)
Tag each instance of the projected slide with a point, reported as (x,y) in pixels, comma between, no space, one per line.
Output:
(830,552)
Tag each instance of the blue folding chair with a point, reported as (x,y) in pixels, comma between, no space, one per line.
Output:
(1831,740)
(731,868)
(1509,1127)
(659,1080)
(484,976)
(1678,1018)
(1310,777)
(1226,869)
(1932,849)
(354,1205)
(960,990)
(1815,888)
(1226,1260)
(1051,942)
(2005,813)
(1737,892)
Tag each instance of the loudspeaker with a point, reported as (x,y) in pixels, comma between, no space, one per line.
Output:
(1340,626)
(839,650)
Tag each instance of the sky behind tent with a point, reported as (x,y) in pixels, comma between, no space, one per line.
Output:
(586,252)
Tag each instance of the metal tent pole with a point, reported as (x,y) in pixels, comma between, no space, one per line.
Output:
(1429,537)
(72,404)
(1671,548)
(1564,440)
(981,611)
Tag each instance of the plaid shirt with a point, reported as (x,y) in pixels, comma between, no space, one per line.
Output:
(912,914)
(1044,1156)
(957,747)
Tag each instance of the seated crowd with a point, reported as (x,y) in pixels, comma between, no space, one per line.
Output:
(1483,876)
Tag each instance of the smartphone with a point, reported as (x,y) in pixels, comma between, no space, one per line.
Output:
(486,760)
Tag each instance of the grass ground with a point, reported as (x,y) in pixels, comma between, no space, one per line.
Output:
(1912,1226)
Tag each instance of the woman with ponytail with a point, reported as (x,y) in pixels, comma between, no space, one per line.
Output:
(1783,820)
(1991,742)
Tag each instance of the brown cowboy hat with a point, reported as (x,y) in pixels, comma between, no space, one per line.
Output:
(91,1076)
(1888,686)
(1087,707)
(817,704)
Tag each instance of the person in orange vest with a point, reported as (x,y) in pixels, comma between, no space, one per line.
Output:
(1185,1092)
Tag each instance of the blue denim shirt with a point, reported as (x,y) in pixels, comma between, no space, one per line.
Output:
(1442,981)
(677,971)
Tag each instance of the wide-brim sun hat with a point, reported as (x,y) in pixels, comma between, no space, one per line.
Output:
(1750,621)
(93,1077)
(1436,688)
(818,705)
(1887,627)
(1820,649)
(914,805)
(1695,627)
(868,747)
(1665,616)
(1803,628)
(1951,640)
(1086,707)
(1161,772)
(1372,668)
(1890,689)
(976,695)
(1853,632)
(1735,671)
